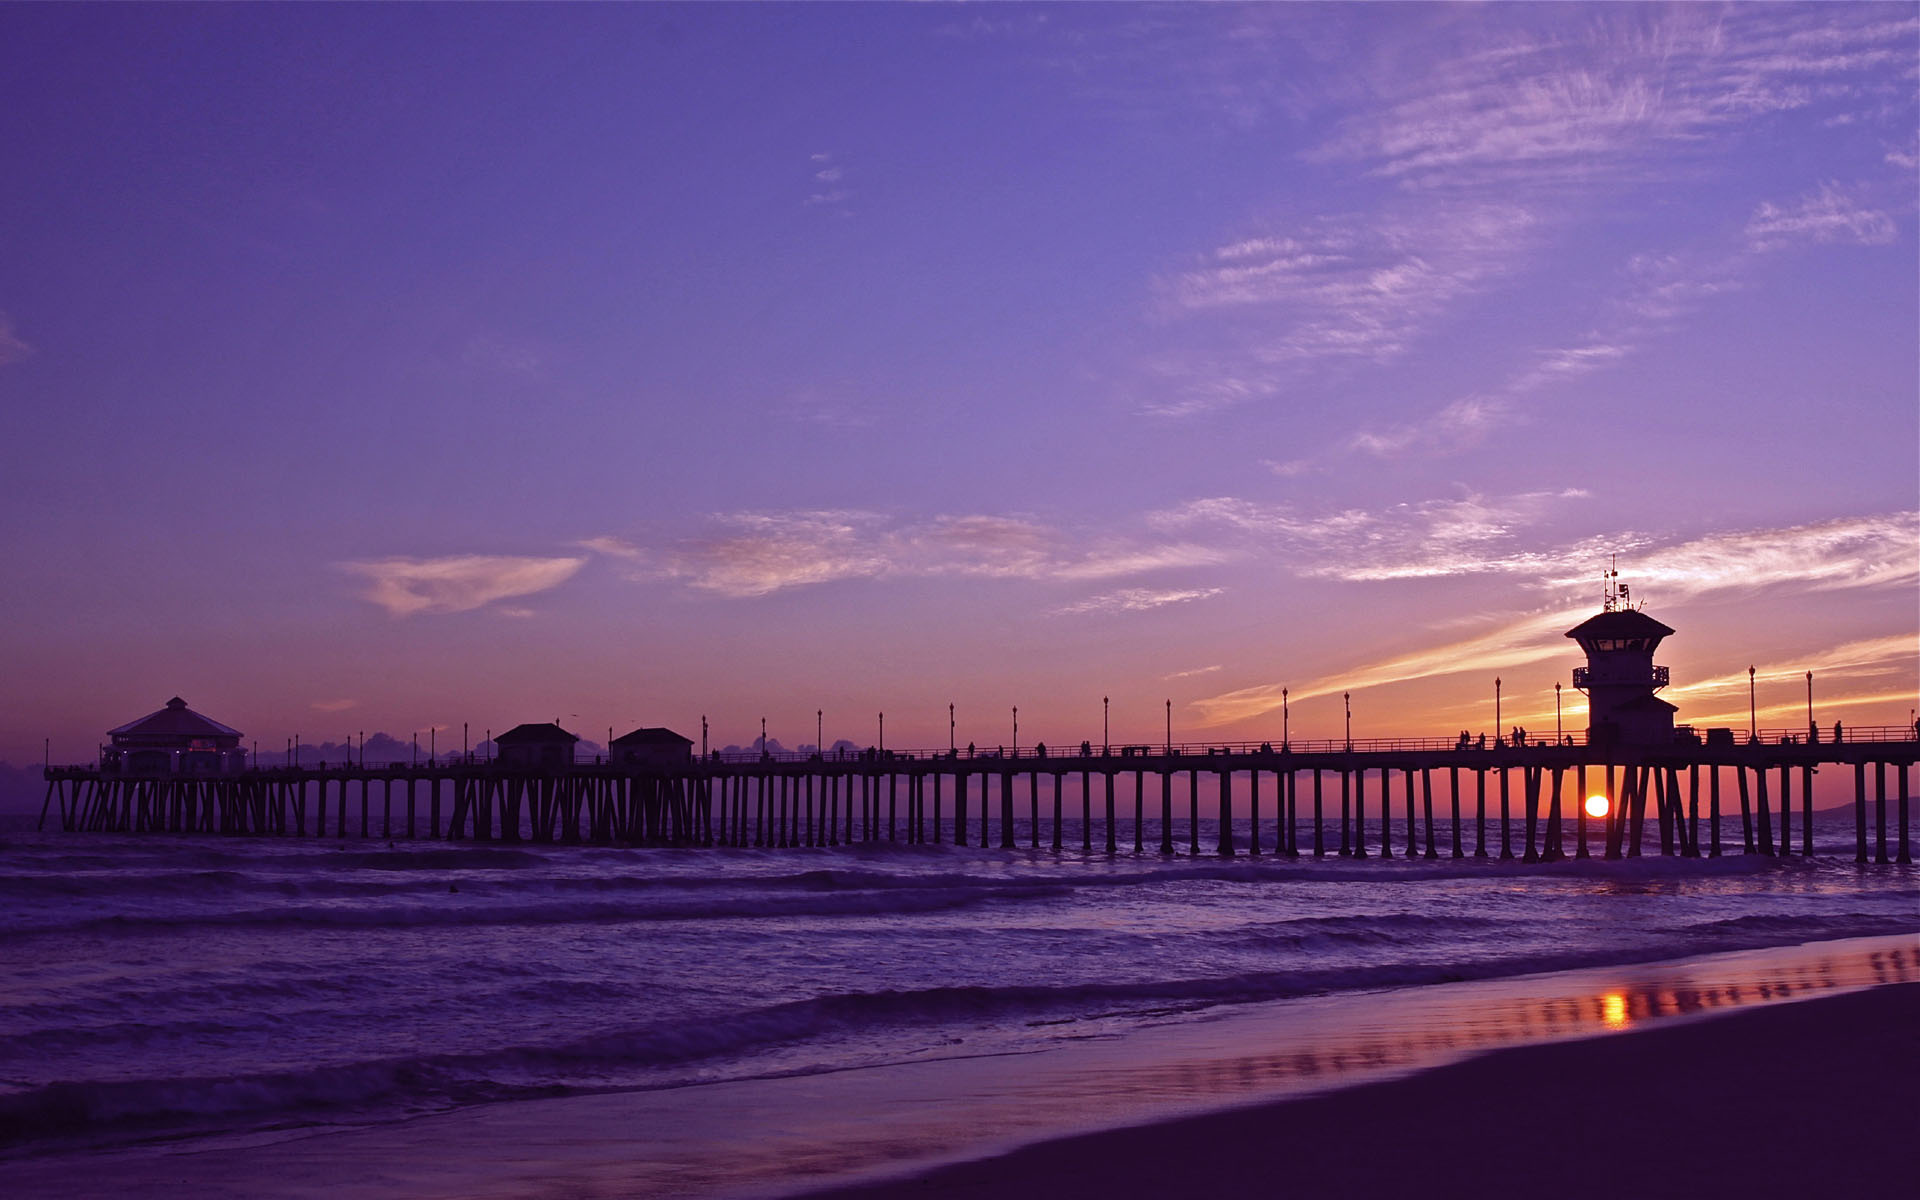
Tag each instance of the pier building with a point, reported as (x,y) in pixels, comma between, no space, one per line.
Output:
(171,741)
(540,746)
(1620,679)
(651,748)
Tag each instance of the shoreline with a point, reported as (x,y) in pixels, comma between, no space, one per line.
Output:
(873,1131)
(1804,1098)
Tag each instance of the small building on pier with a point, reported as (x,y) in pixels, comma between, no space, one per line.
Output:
(651,748)
(174,740)
(540,745)
(1620,678)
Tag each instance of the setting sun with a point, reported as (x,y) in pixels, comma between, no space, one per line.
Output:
(1597,806)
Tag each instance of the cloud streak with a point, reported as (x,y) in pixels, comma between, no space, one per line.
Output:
(408,587)
(1881,551)
(759,553)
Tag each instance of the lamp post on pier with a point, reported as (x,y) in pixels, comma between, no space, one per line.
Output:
(1812,732)
(1105,738)
(1169,727)
(763,737)
(1499,728)
(950,745)
(1347,697)
(819,736)
(703,735)
(1286,738)
(883,733)
(1016,731)
(1753,711)
(1559,738)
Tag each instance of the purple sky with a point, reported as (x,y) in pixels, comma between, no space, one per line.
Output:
(381,367)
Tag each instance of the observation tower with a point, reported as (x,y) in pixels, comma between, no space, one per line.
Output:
(1620,678)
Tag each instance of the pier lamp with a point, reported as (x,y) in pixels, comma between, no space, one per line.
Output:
(363,747)
(950,746)
(1812,733)
(1106,739)
(819,738)
(763,737)
(1499,729)
(1016,731)
(1169,727)
(1558,737)
(883,733)
(1753,713)
(703,735)
(1285,739)
(1348,698)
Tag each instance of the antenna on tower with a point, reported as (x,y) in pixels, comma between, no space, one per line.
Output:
(1611,593)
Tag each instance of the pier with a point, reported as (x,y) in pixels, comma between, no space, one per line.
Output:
(1382,798)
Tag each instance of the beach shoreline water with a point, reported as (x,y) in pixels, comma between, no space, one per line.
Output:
(1810,1098)
(900,1123)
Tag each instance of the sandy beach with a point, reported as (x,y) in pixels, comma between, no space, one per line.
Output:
(1820,1097)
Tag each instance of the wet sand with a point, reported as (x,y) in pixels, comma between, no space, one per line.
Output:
(1819,1097)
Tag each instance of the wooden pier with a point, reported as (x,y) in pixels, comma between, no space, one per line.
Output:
(1426,798)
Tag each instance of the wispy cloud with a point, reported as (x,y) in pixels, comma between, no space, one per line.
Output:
(1881,551)
(1587,104)
(828,188)
(332,706)
(1189,674)
(1135,600)
(1463,535)
(1335,290)
(12,348)
(458,583)
(612,547)
(756,554)
(1828,215)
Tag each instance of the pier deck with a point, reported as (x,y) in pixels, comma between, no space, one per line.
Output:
(1359,799)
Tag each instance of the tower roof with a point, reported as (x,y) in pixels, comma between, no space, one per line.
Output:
(1619,623)
(176,720)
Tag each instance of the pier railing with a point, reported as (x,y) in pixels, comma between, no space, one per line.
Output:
(1850,734)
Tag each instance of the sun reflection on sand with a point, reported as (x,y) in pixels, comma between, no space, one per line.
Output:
(1613,1010)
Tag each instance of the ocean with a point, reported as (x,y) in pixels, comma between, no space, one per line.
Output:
(182,992)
